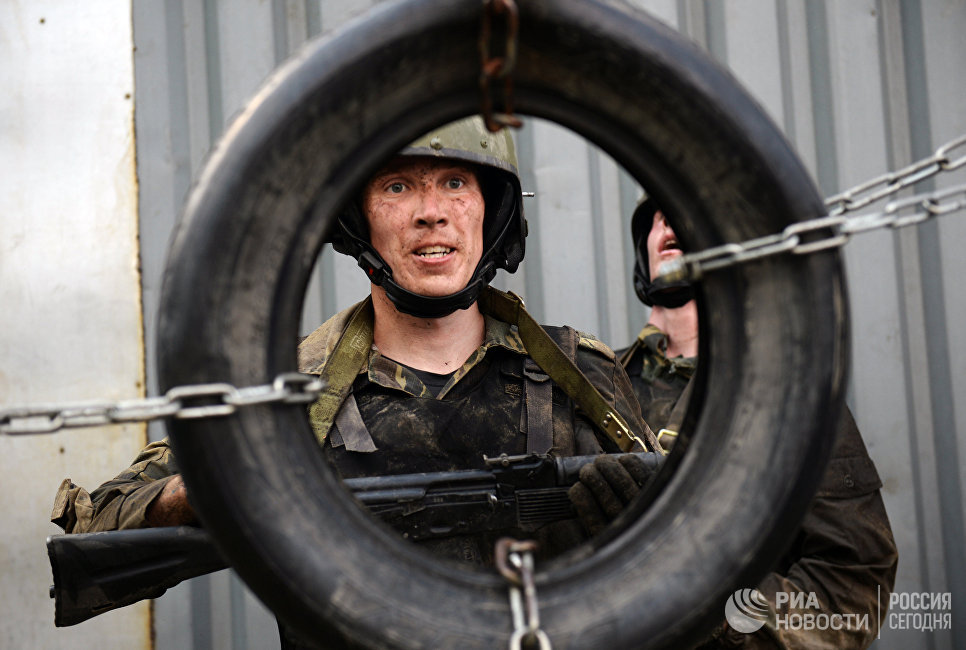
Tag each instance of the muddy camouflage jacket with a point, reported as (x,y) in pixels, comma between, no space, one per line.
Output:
(843,552)
(497,402)
(657,380)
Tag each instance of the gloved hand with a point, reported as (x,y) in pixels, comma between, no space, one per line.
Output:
(606,486)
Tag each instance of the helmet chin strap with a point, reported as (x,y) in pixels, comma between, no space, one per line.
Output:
(414,304)
(669,294)
(422,306)
(658,293)
(661,293)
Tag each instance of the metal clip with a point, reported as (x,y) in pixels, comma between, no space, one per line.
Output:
(666,433)
(514,560)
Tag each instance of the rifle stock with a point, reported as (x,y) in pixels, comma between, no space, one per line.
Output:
(97,572)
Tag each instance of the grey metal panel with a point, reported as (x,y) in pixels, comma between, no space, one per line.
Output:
(567,263)
(907,503)
(754,52)
(614,263)
(245,53)
(946,21)
(335,14)
(858,87)
(664,10)
(878,387)
(901,37)
(795,74)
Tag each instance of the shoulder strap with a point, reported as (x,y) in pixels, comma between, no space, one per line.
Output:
(341,368)
(673,425)
(538,409)
(564,372)
(628,355)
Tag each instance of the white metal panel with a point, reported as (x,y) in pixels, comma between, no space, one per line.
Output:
(70,325)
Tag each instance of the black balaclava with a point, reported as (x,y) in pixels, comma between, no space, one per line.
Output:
(664,294)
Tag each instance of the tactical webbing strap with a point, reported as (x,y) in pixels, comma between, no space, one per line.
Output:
(342,366)
(625,359)
(564,372)
(676,419)
(539,408)
(350,430)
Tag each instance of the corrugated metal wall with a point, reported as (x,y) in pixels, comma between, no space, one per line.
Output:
(859,87)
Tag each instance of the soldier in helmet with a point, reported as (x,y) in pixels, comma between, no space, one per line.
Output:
(844,552)
(663,358)
(428,378)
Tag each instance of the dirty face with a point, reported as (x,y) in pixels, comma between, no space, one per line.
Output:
(425,219)
(662,244)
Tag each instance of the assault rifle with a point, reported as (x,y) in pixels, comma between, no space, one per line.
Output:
(97,572)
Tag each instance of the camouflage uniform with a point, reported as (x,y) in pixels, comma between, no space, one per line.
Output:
(657,380)
(393,424)
(122,502)
(844,550)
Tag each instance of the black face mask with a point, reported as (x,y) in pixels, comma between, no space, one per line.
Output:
(665,294)
(660,293)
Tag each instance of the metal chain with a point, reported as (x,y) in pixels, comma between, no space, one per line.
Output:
(891,183)
(494,68)
(514,560)
(835,229)
(181,402)
(829,231)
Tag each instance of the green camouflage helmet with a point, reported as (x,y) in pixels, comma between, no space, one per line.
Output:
(494,158)
(470,141)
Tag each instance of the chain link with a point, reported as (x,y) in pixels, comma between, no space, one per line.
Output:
(181,402)
(891,183)
(834,229)
(498,68)
(514,561)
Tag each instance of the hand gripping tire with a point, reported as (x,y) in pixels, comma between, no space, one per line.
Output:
(773,337)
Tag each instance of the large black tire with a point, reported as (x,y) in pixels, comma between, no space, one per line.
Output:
(773,338)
